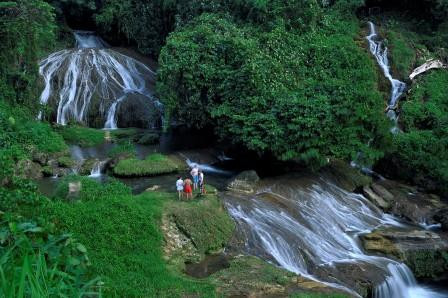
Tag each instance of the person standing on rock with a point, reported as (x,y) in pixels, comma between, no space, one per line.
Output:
(187,189)
(195,174)
(201,183)
(180,186)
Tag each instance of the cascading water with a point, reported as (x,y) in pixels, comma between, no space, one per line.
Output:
(94,79)
(380,52)
(313,230)
(97,168)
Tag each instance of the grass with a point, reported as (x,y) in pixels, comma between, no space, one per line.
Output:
(121,233)
(154,164)
(123,149)
(82,136)
(402,54)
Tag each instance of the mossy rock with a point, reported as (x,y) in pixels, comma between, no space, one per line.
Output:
(250,276)
(66,162)
(154,164)
(195,228)
(47,171)
(149,139)
(427,263)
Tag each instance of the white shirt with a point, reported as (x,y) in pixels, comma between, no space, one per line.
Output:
(194,172)
(180,184)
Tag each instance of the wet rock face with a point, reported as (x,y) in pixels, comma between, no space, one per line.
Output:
(425,252)
(442,217)
(137,111)
(405,201)
(245,182)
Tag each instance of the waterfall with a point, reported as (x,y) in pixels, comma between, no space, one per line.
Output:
(97,168)
(313,230)
(380,52)
(93,80)
(207,168)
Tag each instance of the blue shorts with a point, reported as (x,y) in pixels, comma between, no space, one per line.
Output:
(196,179)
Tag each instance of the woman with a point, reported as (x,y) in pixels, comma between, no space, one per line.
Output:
(187,189)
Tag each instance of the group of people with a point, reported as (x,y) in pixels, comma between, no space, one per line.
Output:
(184,186)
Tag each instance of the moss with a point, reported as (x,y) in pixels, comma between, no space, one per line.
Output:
(82,136)
(125,149)
(154,164)
(427,263)
(65,162)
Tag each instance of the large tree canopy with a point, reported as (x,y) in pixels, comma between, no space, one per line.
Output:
(299,95)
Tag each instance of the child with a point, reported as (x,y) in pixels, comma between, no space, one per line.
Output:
(187,189)
(180,187)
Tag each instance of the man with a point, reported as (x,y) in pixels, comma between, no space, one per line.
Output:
(195,174)
(180,187)
(201,182)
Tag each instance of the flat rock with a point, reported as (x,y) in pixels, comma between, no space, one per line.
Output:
(374,198)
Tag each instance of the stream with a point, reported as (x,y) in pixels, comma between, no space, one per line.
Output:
(311,227)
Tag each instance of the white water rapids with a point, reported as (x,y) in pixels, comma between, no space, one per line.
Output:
(380,52)
(91,81)
(313,230)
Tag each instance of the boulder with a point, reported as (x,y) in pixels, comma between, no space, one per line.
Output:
(153,188)
(40,157)
(245,182)
(407,202)
(374,198)
(382,192)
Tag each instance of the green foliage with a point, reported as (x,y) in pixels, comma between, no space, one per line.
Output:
(26,32)
(402,55)
(20,136)
(154,164)
(141,21)
(124,242)
(420,151)
(83,136)
(35,262)
(428,263)
(92,190)
(280,92)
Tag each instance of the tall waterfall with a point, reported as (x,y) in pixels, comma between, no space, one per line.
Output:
(313,230)
(380,52)
(91,81)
